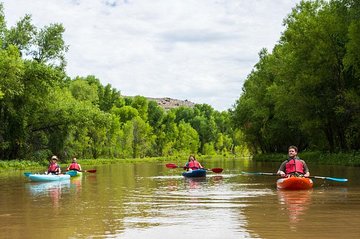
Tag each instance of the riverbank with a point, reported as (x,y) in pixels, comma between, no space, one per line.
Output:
(27,164)
(344,159)
(6,165)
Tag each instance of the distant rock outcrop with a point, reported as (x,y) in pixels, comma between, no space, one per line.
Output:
(168,103)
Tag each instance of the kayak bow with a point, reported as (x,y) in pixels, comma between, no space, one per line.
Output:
(294,183)
(195,173)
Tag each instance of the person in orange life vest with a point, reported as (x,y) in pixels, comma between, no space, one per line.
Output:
(192,163)
(293,166)
(74,165)
(54,168)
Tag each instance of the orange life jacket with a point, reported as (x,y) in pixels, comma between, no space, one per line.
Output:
(74,166)
(53,168)
(193,165)
(294,166)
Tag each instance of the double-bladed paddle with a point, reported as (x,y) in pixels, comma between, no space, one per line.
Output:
(215,170)
(318,177)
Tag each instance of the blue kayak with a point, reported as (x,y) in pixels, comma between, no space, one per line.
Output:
(195,173)
(48,177)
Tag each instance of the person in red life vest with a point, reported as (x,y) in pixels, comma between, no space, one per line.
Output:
(293,166)
(54,168)
(192,163)
(74,166)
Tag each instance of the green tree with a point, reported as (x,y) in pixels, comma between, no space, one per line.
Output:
(142,137)
(83,91)
(188,139)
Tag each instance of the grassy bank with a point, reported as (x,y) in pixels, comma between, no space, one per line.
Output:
(6,165)
(344,159)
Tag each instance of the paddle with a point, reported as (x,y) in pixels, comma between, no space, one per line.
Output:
(215,170)
(330,178)
(319,177)
(260,173)
(89,171)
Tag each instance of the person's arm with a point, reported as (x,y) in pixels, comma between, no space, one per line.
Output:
(80,167)
(306,169)
(281,170)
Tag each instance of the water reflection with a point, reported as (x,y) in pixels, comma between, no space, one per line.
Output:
(195,183)
(50,189)
(76,184)
(295,203)
(145,200)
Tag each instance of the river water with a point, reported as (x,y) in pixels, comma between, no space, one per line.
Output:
(148,200)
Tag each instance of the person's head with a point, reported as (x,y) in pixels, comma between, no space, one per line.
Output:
(54,159)
(292,151)
(74,160)
(191,158)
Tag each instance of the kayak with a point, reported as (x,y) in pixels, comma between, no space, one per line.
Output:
(294,183)
(74,173)
(48,177)
(195,173)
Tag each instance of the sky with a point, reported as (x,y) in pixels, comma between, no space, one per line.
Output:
(196,50)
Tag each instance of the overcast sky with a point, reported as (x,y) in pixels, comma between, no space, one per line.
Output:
(199,50)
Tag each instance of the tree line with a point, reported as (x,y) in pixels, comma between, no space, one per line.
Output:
(306,92)
(43,111)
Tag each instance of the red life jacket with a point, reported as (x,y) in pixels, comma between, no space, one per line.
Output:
(53,168)
(294,166)
(74,166)
(193,165)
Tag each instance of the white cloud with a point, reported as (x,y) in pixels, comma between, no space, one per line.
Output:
(199,50)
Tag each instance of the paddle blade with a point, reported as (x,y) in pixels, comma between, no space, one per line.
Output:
(338,179)
(27,174)
(171,165)
(217,170)
(342,180)
(90,171)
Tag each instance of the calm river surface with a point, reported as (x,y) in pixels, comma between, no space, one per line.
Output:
(148,200)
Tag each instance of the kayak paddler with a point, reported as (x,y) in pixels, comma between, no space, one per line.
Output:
(293,166)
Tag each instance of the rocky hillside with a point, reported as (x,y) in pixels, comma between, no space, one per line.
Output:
(168,103)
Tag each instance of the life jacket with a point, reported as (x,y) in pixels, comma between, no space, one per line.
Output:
(294,166)
(53,168)
(74,166)
(193,165)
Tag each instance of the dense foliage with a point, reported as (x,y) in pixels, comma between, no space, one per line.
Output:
(307,92)
(44,112)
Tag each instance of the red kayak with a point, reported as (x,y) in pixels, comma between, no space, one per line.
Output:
(294,183)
